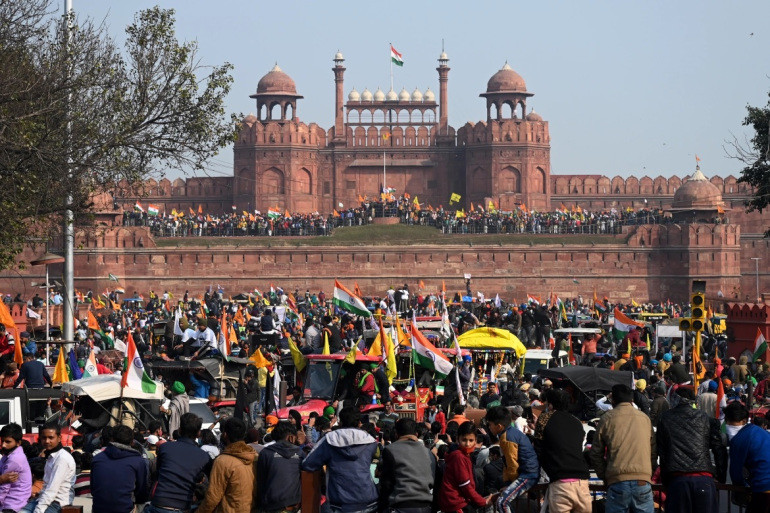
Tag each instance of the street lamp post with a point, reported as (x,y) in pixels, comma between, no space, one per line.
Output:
(46,260)
(756,272)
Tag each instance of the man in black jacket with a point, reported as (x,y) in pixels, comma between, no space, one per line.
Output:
(559,447)
(278,470)
(180,466)
(113,495)
(684,437)
(406,472)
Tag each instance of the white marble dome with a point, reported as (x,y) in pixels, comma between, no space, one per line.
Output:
(354,96)
(429,96)
(379,96)
(404,95)
(366,95)
(416,95)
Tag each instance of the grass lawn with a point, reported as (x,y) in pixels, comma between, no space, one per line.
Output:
(391,235)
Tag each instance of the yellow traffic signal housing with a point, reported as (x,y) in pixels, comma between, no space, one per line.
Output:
(685,324)
(698,315)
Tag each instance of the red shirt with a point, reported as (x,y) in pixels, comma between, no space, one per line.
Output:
(458,489)
(5,346)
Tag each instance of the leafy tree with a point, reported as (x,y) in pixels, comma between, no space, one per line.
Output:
(755,153)
(80,115)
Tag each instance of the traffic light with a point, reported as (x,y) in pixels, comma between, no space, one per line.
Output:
(698,314)
(685,324)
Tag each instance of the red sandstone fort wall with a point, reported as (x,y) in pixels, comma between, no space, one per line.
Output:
(656,262)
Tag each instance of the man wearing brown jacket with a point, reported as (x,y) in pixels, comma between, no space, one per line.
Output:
(232,481)
(623,454)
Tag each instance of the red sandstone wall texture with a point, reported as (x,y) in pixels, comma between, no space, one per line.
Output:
(657,262)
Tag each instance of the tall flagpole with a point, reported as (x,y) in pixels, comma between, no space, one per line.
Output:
(390,58)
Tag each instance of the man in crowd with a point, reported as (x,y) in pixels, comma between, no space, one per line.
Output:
(59,477)
(347,453)
(407,469)
(180,466)
(33,373)
(118,495)
(15,475)
(278,471)
(521,465)
(559,446)
(685,461)
(232,480)
(749,456)
(623,454)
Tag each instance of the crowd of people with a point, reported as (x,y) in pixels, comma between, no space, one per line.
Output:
(665,426)
(475,220)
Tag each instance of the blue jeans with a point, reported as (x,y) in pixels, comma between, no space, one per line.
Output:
(31,505)
(515,489)
(629,496)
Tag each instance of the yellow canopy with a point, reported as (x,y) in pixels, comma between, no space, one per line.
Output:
(492,338)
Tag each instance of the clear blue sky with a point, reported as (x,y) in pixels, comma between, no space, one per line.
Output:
(628,87)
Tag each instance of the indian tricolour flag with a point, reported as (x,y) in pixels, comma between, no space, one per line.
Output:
(90,369)
(138,207)
(623,324)
(273,213)
(134,376)
(760,346)
(346,300)
(395,57)
(153,210)
(426,355)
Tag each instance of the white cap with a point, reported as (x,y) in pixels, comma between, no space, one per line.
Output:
(152,440)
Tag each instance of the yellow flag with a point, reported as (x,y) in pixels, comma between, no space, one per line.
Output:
(259,359)
(60,374)
(454,198)
(648,342)
(403,340)
(297,357)
(390,359)
(326,349)
(634,303)
(351,357)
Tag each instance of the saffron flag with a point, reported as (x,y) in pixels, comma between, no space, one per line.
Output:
(346,300)
(7,320)
(395,57)
(134,375)
(93,324)
(259,359)
(760,346)
(720,396)
(60,374)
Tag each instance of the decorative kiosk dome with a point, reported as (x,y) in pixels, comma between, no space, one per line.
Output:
(534,116)
(429,96)
(354,96)
(404,95)
(379,96)
(277,83)
(391,96)
(366,95)
(416,95)
(506,81)
(697,200)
